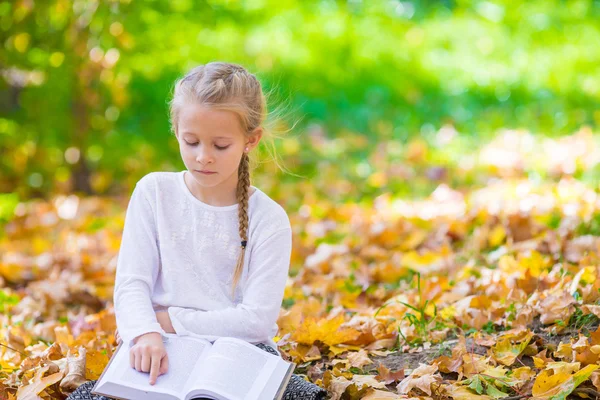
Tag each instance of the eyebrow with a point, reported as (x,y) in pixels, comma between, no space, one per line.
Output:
(216,137)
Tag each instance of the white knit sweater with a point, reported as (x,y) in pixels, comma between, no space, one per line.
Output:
(178,254)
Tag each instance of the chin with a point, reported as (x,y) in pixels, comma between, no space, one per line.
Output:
(205,180)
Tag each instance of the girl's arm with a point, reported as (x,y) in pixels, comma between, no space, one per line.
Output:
(253,319)
(137,268)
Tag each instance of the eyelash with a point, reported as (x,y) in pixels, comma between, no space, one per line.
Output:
(218,147)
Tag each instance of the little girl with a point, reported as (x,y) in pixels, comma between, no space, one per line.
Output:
(203,252)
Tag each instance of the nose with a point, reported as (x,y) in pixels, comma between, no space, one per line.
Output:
(204,156)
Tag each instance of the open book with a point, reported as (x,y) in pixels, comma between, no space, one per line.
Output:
(227,369)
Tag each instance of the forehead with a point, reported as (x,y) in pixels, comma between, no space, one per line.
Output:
(199,120)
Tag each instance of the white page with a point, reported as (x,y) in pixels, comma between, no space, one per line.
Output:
(233,367)
(115,376)
(183,354)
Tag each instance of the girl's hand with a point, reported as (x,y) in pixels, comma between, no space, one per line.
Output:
(148,354)
(117,337)
(165,321)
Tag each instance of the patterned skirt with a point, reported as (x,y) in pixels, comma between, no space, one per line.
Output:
(297,388)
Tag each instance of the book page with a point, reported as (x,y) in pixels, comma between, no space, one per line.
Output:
(183,354)
(232,368)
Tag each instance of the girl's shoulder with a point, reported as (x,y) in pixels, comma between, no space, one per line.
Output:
(158,180)
(267,215)
(159,188)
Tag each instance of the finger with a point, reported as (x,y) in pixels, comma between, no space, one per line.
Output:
(154,369)
(118,338)
(164,364)
(145,361)
(131,358)
(138,362)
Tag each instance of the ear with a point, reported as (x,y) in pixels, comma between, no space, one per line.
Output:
(254,138)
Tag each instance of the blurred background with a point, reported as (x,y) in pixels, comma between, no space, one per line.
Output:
(374,97)
(377,92)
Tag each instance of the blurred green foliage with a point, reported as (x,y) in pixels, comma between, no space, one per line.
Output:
(85,84)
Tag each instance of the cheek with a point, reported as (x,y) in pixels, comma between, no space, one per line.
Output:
(233,158)
(185,150)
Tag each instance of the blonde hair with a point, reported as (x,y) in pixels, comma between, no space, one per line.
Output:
(227,86)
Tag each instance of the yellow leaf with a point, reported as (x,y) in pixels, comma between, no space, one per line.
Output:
(335,350)
(303,353)
(505,352)
(565,367)
(463,393)
(414,239)
(95,362)
(547,385)
(303,308)
(41,245)
(63,335)
(7,366)
(12,272)
(538,362)
(496,372)
(418,261)
(497,236)
(535,263)
(447,313)
(327,331)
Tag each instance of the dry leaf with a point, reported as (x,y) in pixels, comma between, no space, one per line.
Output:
(359,359)
(38,384)
(75,371)
(386,376)
(548,384)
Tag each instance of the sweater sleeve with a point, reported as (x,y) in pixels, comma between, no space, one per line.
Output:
(252,319)
(137,270)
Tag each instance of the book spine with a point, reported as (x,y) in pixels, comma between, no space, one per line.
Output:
(285,381)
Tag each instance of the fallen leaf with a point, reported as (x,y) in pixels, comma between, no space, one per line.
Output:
(38,384)
(506,352)
(549,385)
(328,331)
(421,378)
(359,359)
(386,375)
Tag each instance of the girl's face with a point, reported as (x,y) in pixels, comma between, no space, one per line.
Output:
(211,143)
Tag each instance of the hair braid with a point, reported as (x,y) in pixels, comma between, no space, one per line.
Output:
(243,188)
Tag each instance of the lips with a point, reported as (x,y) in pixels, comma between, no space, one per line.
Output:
(206,172)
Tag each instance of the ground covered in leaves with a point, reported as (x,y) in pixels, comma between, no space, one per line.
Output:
(486,293)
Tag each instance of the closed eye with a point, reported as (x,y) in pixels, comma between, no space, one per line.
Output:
(217,147)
